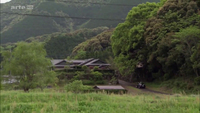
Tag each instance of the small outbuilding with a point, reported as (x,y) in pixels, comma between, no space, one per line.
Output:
(111,88)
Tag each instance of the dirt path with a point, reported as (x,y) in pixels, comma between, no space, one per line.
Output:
(127,85)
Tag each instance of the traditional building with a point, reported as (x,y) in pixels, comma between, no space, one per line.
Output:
(91,63)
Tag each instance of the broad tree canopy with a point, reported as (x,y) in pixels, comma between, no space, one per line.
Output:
(29,62)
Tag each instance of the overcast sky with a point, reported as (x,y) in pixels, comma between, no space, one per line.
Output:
(4,1)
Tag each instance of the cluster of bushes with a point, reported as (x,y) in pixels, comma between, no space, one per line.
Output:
(182,85)
(77,87)
(88,76)
(94,77)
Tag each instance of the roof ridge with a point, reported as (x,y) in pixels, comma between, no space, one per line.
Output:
(60,61)
(86,61)
(92,61)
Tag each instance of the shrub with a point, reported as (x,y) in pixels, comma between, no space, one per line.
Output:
(183,85)
(86,88)
(95,68)
(100,82)
(76,87)
(16,87)
(78,75)
(88,82)
(86,69)
(113,80)
(197,80)
(155,75)
(168,84)
(177,83)
(190,86)
(97,75)
(196,89)
(167,76)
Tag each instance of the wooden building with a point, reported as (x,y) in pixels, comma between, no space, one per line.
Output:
(91,63)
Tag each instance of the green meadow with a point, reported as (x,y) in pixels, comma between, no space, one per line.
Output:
(52,101)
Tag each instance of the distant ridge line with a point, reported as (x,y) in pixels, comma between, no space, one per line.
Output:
(56,16)
(25,14)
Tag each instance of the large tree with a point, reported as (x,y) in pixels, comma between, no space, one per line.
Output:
(128,42)
(188,45)
(28,61)
(147,37)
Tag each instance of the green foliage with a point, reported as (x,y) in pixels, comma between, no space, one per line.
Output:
(79,75)
(97,75)
(61,75)
(167,53)
(28,62)
(76,87)
(60,46)
(1,85)
(100,82)
(177,85)
(197,80)
(95,68)
(86,69)
(81,55)
(113,80)
(44,79)
(188,46)
(88,82)
(96,47)
(164,37)
(18,27)
(127,39)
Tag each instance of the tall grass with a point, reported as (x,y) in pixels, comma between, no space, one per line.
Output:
(55,102)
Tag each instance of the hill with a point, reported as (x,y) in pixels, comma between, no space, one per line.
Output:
(96,47)
(16,27)
(61,45)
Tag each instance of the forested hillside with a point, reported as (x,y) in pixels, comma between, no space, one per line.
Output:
(165,38)
(96,47)
(60,46)
(61,16)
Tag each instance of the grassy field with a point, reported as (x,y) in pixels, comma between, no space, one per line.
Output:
(51,101)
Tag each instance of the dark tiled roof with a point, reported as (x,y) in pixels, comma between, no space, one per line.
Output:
(56,61)
(76,61)
(97,64)
(87,62)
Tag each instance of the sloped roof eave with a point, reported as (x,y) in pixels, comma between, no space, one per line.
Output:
(110,87)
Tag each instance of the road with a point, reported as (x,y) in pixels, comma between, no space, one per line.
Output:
(127,85)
